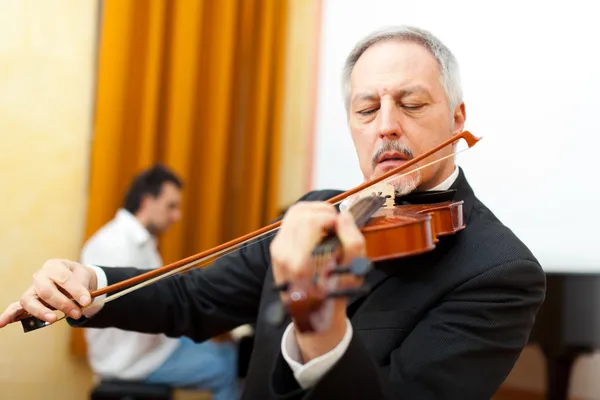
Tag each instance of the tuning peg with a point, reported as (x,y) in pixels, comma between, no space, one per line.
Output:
(359,267)
(348,292)
(275,314)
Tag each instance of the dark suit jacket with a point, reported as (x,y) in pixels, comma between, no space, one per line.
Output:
(448,324)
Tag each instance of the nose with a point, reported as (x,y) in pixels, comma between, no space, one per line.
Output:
(388,123)
(176,215)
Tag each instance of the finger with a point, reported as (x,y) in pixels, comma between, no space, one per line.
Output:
(353,246)
(311,221)
(9,315)
(312,227)
(46,289)
(301,211)
(34,306)
(295,243)
(352,240)
(77,285)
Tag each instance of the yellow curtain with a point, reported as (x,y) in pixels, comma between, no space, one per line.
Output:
(196,85)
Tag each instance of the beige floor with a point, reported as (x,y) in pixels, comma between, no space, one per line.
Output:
(187,395)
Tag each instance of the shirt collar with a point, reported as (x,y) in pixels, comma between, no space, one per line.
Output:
(445,185)
(133,226)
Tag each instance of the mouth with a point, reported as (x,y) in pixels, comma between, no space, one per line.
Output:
(390,160)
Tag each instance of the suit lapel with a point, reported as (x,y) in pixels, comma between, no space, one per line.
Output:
(464,192)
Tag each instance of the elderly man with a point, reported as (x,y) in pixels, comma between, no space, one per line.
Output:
(448,324)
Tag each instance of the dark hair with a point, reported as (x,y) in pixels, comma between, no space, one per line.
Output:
(150,181)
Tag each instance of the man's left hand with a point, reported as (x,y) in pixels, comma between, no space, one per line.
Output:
(301,230)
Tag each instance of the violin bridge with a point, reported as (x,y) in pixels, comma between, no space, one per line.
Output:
(388,192)
(382,189)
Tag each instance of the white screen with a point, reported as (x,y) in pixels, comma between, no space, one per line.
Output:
(530,79)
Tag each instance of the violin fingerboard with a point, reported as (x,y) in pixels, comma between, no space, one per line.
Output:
(363,209)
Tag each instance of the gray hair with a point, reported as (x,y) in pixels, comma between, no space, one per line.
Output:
(449,76)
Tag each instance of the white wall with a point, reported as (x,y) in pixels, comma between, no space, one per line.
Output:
(530,76)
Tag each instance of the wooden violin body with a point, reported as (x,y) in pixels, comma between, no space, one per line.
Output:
(407,230)
(390,232)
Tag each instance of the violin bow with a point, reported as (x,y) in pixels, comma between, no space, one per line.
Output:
(206,257)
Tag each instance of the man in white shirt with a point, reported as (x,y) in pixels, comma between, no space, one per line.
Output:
(151,206)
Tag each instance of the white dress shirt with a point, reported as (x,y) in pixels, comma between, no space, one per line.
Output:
(308,374)
(112,352)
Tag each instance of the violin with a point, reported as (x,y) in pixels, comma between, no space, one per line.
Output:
(390,230)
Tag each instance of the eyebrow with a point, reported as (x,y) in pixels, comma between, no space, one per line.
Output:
(396,93)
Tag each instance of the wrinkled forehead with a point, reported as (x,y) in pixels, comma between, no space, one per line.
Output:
(393,64)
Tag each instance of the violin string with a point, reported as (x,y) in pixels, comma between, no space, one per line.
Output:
(325,259)
(328,251)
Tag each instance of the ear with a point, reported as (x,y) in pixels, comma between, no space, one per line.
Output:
(145,200)
(460,115)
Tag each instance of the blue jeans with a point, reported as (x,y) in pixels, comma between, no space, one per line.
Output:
(205,366)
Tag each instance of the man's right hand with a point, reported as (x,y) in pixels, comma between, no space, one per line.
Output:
(54,285)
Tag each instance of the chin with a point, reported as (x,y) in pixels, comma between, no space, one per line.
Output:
(403,185)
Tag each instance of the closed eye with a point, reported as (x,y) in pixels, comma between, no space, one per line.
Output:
(413,106)
(367,111)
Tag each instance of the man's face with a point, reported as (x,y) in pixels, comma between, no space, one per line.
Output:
(163,210)
(399,110)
